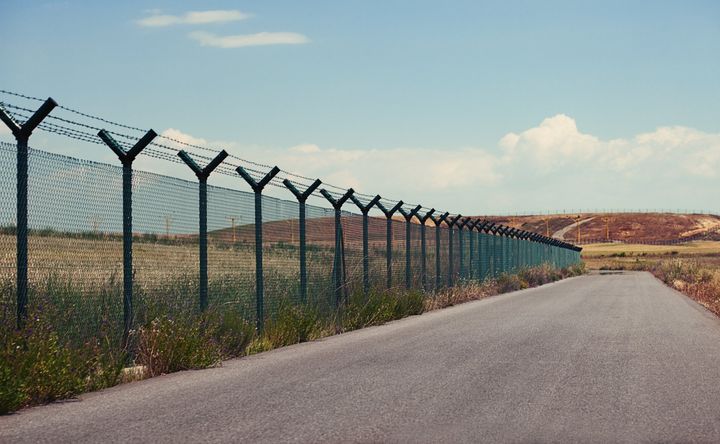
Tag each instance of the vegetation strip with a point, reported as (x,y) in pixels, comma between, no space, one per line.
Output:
(36,367)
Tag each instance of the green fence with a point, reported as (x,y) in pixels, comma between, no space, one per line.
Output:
(90,246)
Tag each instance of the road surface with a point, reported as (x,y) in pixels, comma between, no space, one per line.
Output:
(601,358)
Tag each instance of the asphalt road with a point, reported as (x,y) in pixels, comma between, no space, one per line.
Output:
(614,358)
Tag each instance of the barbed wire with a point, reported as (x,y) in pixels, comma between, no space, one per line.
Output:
(155,150)
(169,154)
(288,175)
(86,137)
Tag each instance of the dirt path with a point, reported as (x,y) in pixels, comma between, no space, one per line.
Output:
(560,234)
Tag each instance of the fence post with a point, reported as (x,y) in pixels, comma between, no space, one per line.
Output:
(423,248)
(490,244)
(514,248)
(337,204)
(22,136)
(479,227)
(505,249)
(364,209)
(520,249)
(461,247)
(302,198)
(471,224)
(450,222)
(127,158)
(408,215)
(496,253)
(202,174)
(438,221)
(388,215)
(534,238)
(257,188)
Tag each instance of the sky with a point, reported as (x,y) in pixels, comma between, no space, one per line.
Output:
(475,107)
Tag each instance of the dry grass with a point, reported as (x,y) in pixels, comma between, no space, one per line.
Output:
(638,256)
(690,248)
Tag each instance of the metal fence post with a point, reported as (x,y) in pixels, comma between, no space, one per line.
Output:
(461,247)
(302,198)
(450,223)
(514,248)
(408,215)
(257,188)
(423,248)
(364,209)
(490,244)
(505,249)
(337,204)
(127,158)
(479,227)
(496,253)
(471,259)
(438,221)
(388,215)
(22,136)
(202,174)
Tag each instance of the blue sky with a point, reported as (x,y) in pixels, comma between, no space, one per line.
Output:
(476,107)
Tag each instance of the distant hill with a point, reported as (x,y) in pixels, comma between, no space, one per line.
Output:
(623,227)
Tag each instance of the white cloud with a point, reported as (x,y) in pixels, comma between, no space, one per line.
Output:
(178,135)
(305,148)
(238,41)
(192,18)
(551,166)
(555,142)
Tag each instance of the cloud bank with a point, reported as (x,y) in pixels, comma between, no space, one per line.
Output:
(192,18)
(553,165)
(242,40)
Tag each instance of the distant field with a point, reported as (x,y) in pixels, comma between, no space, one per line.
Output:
(616,254)
(690,248)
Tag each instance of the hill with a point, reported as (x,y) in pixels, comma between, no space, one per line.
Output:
(622,227)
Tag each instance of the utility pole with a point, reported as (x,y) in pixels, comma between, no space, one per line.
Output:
(607,229)
(547,227)
(232,228)
(96,225)
(577,225)
(168,221)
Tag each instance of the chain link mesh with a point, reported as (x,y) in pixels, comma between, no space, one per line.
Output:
(76,248)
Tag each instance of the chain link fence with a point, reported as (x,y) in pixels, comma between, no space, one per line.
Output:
(80,279)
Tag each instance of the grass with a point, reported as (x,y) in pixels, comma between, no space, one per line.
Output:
(597,254)
(74,343)
(37,365)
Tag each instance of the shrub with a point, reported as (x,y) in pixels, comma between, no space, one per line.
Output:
(379,307)
(259,345)
(168,345)
(409,303)
(35,367)
(510,282)
(365,310)
(294,324)
(231,332)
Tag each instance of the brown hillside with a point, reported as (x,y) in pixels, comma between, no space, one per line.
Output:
(623,227)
